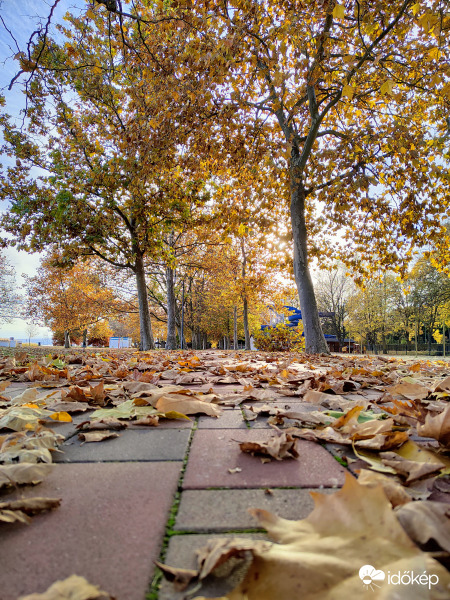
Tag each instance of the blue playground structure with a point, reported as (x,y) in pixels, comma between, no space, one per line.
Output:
(293,319)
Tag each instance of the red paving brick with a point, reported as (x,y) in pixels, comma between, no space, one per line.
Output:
(213,452)
(108,529)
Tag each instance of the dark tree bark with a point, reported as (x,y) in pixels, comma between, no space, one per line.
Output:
(246,328)
(145,324)
(171,342)
(235,336)
(314,338)
(66,339)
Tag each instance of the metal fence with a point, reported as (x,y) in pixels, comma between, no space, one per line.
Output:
(410,349)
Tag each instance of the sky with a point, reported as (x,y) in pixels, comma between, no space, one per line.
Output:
(21,18)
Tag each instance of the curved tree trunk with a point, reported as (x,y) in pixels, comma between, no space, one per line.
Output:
(66,339)
(171,342)
(314,338)
(145,324)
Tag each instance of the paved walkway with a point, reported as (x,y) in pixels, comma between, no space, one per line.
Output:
(154,494)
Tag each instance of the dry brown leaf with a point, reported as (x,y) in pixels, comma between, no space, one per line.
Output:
(20,510)
(380,441)
(279,446)
(186,406)
(333,402)
(22,474)
(412,391)
(97,394)
(181,578)
(72,588)
(75,393)
(70,407)
(425,520)
(98,424)
(410,470)
(395,492)
(28,395)
(148,421)
(437,427)
(136,387)
(97,436)
(442,386)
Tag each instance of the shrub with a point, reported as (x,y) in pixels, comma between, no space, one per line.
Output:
(280,338)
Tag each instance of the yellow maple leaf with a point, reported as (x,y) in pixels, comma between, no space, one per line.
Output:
(339,11)
(348,91)
(387,87)
(434,53)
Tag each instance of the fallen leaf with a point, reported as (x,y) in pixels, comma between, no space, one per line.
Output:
(410,470)
(279,446)
(412,391)
(97,436)
(186,406)
(395,492)
(179,577)
(437,427)
(98,424)
(62,416)
(20,510)
(72,588)
(425,520)
(23,474)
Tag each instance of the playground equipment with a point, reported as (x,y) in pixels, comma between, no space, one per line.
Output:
(293,319)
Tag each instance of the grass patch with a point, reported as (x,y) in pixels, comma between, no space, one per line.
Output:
(341,461)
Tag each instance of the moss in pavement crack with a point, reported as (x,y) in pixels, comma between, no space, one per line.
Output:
(157,577)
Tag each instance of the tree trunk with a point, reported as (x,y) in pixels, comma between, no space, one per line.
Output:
(246,330)
(66,339)
(84,338)
(314,339)
(145,324)
(235,337)
(171,342)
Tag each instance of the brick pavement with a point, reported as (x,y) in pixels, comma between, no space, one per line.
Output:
(154,493)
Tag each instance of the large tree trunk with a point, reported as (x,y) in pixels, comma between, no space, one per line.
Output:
(246,329)
(171,342)
(145,324)
(314,338)
(66,339)
(235,336)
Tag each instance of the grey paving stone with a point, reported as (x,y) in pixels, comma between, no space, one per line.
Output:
(224,510)
(214,452)
(150,445)
(231,418)
(108,529)
(181,553)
